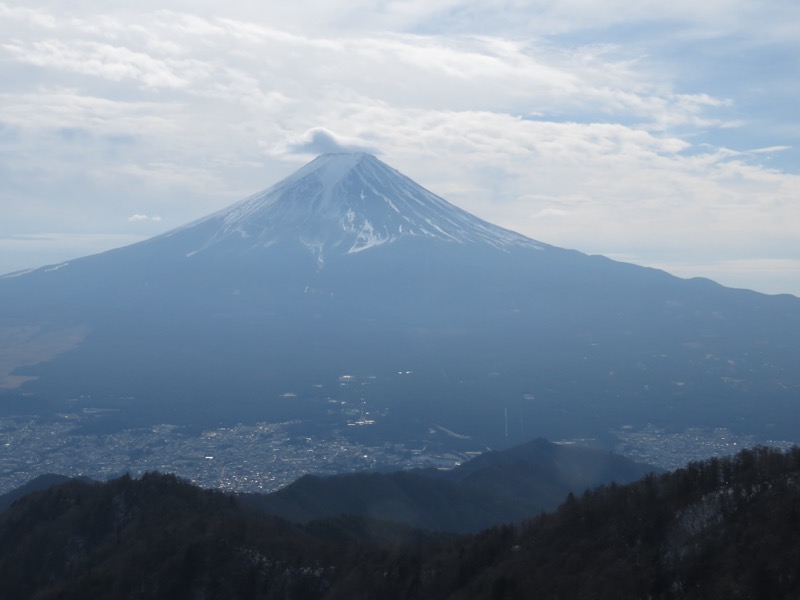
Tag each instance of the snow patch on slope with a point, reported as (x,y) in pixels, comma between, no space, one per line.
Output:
(367,238)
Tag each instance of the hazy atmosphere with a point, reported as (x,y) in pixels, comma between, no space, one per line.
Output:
(664,134)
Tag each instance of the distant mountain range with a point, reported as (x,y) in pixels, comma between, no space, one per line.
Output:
(350,299)
(722,528)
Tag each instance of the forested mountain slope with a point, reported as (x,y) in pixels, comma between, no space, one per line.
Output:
(493,488)
(723,528)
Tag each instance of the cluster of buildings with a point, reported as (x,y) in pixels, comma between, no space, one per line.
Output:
(261,457)
(264,457)
(671,450)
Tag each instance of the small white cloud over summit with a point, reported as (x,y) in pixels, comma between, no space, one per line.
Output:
(323,141)
(138,218)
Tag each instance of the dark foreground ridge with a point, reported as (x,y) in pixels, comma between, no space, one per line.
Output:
(42,482)
(722,528)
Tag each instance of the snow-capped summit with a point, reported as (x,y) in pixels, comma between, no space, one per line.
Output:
(346,203)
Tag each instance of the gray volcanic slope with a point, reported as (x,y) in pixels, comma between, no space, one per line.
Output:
(347,282)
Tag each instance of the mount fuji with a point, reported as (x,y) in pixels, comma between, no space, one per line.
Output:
(347,203)
(348,297)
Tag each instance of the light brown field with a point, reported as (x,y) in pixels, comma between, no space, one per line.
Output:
(26,345)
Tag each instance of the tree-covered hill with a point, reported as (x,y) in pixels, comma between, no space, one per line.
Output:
(42,482)
(491,489)
(723,528)
(160,537)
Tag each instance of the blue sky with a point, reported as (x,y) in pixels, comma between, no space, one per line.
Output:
(664,134)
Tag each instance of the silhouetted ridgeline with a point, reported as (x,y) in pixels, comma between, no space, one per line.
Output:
(491,489)
(42,482)
(723,528)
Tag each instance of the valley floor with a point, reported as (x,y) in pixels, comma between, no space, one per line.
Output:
(264,457)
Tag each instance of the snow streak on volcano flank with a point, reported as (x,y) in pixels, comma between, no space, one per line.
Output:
(347,203)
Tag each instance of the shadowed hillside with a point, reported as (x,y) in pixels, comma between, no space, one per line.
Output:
(723,528)
(491,489)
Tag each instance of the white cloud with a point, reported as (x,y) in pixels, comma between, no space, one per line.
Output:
(38,18)
(594,126)
(770,149)
(140,217)
(321,141)
(114,63)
